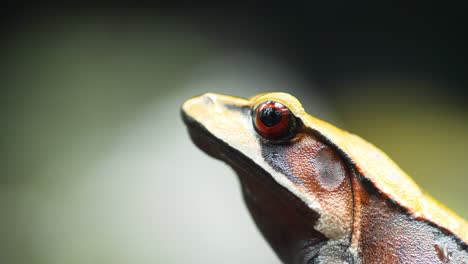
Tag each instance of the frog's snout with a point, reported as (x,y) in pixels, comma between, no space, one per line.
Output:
(197,103)
(209,104)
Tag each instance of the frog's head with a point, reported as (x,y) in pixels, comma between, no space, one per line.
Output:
(296,186)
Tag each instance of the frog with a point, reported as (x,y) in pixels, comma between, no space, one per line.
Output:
(320,194)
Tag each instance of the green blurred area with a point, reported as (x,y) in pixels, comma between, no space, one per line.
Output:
(422,132)
(73,81)
(73,88)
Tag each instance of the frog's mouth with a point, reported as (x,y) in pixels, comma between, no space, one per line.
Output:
(284,220)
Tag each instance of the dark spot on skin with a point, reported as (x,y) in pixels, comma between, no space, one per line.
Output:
(443,252)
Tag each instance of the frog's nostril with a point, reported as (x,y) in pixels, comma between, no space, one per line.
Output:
(208,99)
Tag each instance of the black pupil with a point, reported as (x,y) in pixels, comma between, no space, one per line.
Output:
(270,116)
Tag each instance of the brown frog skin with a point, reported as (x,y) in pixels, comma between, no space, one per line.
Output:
(319,194)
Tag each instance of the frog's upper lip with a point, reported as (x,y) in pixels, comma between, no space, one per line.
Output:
(201,137)
(188,107)
(188,120)
(207,141)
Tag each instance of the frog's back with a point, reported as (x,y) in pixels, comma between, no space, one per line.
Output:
(376,168)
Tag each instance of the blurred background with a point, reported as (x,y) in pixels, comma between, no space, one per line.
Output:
(97,166)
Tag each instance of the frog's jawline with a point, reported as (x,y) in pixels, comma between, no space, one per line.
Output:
(285,221)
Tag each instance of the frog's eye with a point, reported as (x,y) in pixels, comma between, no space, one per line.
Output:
(273,120)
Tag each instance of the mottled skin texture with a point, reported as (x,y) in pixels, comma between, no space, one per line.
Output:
(389,235)
(326,196)
(321,173)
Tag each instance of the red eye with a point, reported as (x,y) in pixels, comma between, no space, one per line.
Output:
(273,120)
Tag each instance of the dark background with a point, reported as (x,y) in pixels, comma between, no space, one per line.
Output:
(97,165)
(328,42)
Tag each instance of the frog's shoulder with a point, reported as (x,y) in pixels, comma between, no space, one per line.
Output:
(376,167)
